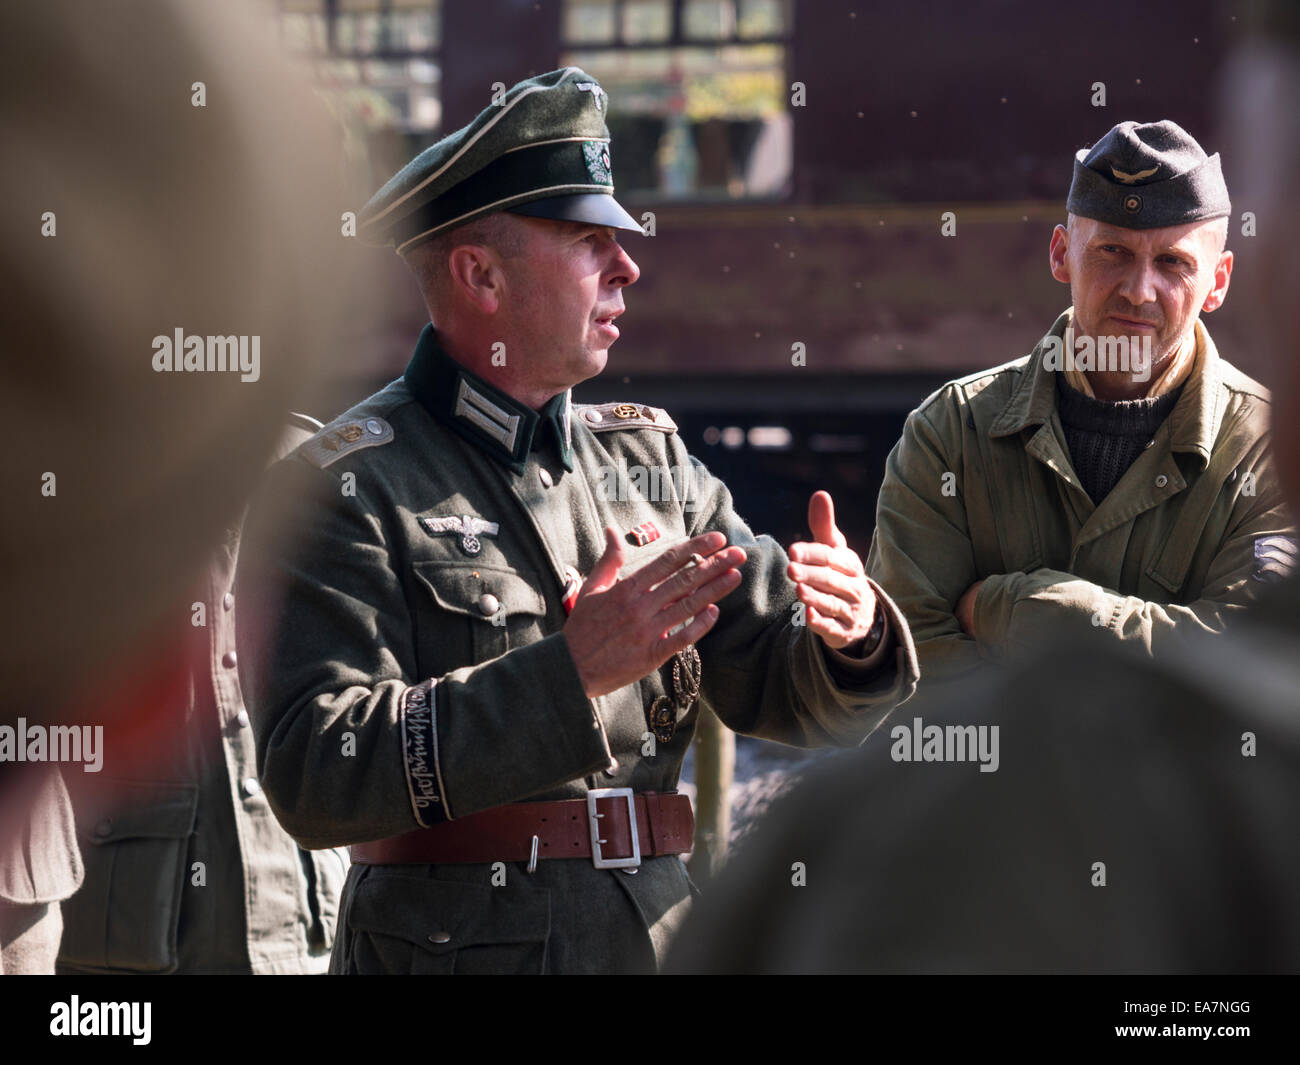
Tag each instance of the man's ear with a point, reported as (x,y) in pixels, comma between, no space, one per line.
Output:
(1056,254)
(476,276)
(1222,276)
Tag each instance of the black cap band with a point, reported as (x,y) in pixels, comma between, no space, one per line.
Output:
(531,173)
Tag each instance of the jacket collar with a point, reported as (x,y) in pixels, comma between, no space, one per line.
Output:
(481,413)
(1193,423)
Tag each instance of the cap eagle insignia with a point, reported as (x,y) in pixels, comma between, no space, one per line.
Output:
(1133,179)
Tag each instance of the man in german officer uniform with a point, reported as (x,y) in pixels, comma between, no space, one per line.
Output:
(474,644)
(1132,496)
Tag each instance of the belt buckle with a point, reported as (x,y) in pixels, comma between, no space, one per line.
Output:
(593,819)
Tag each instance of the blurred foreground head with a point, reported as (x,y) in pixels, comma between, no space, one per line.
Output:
(166,174)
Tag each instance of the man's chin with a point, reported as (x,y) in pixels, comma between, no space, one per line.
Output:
(593,363)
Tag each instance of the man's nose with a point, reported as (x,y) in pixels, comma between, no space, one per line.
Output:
(623,270)
(1139,284)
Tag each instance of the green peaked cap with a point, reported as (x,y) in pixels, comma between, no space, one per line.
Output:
(541,149)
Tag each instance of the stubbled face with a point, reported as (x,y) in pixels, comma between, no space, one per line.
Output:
(1141,282)
(563,292)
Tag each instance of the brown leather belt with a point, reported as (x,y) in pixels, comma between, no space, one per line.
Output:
(660,823)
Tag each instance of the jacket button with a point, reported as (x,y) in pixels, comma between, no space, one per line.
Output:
(228,601)
(251,786)
(1161,481)
(595,416)
(228,660)
(104,828)
(1148,444)
(488,604)
(242,718)
(440,937)
(545,477)
(374,427)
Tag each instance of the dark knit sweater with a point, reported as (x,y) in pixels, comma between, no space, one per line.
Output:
(1106,438)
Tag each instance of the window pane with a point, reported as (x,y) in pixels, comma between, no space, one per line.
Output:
(647,20)
(303,33)
(761,18)
(358,32)
(696,123)
(588,20)
(412,31)
(709,19)
(409,89)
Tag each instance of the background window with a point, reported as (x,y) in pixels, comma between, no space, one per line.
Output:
(698,91)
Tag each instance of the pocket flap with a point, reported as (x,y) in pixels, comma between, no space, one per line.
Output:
(461,587)
(425,911)
(143,811)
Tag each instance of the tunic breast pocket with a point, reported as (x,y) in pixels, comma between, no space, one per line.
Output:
(474,613)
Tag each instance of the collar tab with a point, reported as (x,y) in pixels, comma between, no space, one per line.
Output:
(487,417)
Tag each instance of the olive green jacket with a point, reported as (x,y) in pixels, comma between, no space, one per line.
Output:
(362,590)
(981,487)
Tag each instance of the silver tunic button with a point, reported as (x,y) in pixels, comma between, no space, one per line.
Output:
(440,937)
(1161,481)
(374,428)
(228,660)
(488,604)
(251,786)
(545,477)
(1148,444)
(228,601)
(242,718)
(595,416)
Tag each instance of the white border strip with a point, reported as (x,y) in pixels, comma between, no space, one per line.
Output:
(531,193)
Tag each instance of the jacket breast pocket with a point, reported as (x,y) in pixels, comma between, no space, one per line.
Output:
(127,913)
(400,923)
(474,613)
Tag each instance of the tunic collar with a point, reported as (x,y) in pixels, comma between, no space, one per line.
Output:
(1193,423)
(484,415)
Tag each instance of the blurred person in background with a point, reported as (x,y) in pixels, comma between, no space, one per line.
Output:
(187,869)
(168,177)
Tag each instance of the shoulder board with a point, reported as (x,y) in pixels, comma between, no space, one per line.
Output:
(604,417)
(342,438)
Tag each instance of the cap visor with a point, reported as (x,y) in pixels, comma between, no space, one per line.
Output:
(594,208)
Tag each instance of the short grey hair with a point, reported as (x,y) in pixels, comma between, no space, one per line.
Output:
(428,259)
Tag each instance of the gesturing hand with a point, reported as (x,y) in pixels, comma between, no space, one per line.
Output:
(619,629)
(831,581)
